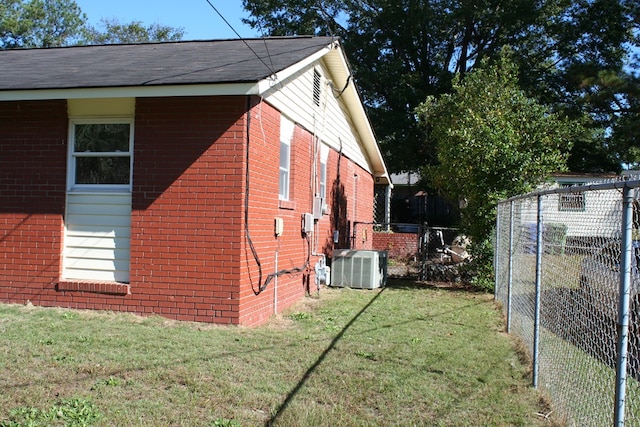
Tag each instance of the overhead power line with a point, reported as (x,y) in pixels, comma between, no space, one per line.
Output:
(270,68)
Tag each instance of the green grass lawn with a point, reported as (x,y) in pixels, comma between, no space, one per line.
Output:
(409,354)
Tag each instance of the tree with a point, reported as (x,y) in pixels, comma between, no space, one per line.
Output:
(594,78)
(401,51)
(405,50)
(111,31)
(53,23)
(493,141)
(39,23)
(291,17)
(613,100)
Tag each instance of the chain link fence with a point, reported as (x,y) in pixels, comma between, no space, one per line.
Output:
(567,276)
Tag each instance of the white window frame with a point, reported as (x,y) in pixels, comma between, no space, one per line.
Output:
(324,157)
(72,155)
(571,202)
(287,128)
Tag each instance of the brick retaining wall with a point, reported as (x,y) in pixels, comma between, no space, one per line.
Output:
(398,245)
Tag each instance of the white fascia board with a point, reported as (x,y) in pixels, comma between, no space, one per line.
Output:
(363,125)
(251,88)
(267,84)
(340,68)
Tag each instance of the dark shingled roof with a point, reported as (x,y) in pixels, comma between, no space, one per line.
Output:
(154,64)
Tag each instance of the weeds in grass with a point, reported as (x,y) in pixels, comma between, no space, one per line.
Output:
(299,316)
(366,355)
(109,382)
(224,422)
(70,413)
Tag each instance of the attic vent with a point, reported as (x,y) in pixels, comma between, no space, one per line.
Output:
(316,87)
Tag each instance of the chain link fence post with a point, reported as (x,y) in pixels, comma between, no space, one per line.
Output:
(510,267)
(536,325)
(623,305)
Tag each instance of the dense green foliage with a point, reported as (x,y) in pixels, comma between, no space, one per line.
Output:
(53,23)
(39,23)
(570,53)
(493,141)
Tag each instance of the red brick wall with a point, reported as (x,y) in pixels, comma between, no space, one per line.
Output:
(398,245)
(350,201)
(33,147)
(187,196)
(292,247)
(186,228)
(190,257)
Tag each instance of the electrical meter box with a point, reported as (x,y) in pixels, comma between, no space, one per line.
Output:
(307,223)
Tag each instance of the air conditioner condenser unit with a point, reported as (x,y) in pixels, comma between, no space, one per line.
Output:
(361,269)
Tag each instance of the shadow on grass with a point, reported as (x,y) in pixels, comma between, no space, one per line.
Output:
(292,394)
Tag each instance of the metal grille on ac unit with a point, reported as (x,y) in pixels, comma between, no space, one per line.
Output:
(361,269)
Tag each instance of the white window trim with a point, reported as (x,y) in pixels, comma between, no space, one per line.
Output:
(287,128)
(283,186)
(71,169)
(324,157)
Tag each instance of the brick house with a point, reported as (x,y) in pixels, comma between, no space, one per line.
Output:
(174,178)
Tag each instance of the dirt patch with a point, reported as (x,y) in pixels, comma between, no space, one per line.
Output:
(304,307)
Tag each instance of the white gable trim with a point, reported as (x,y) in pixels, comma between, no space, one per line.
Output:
(267,84)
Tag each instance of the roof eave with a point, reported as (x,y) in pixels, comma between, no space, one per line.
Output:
(341,71)
(245,88)
(268,83)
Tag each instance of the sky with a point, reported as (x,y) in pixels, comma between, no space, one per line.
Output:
(198,19)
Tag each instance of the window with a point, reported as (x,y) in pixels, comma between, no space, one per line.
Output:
(571,201)
(100,154)
(324,156)
(283,188)
(323,179)
(286,133)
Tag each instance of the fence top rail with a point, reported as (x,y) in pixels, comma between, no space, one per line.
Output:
(621,184)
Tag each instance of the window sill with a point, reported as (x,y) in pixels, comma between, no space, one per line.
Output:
(106,288)
(99,190)
(287,204)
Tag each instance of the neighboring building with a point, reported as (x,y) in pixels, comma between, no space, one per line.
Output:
(571,215)
(174,178)
(579,211)
(412,204)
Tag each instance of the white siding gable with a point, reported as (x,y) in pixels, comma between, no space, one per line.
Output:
(329,121)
